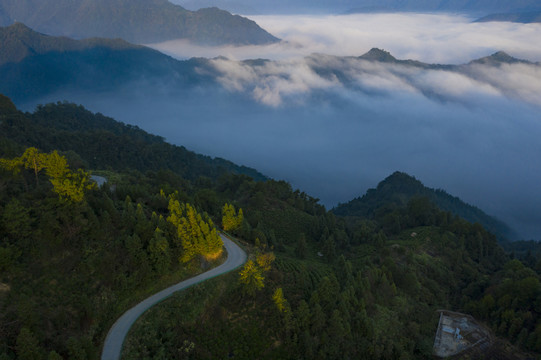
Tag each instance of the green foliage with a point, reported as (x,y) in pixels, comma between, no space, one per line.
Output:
(67,270)
(159,252)
(28,346)
(302,248)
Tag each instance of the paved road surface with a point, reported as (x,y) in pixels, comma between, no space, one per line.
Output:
(115,338)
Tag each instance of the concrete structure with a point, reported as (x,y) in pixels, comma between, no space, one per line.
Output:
(457,333)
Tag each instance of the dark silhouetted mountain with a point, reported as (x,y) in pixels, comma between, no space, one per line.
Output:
(33,65)
(137,21)
(520,17)
(19,42)
(399,188)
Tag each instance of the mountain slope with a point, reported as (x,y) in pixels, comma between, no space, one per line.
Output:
(399,188)
(139,21)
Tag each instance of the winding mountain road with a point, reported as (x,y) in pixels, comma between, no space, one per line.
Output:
(115,338)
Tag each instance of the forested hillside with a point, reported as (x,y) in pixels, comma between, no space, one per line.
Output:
(316,285)
(399,188)
(99,142)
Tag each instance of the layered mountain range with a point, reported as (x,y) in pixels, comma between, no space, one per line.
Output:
(137,21)
(34,65)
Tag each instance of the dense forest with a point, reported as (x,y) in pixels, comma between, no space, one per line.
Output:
(316,285)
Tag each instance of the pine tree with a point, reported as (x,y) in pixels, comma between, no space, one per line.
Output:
(158,249)
(70,186)
(230,219)
(252,278)
(197,235)
(279,299)
(302,248)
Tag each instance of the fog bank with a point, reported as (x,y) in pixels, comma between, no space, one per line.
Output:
(432,38)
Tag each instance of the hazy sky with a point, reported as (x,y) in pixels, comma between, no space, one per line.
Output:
(335,127)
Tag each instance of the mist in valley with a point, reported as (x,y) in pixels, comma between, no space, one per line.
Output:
(335,126)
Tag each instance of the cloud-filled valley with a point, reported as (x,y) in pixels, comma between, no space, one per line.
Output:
(432,38)
(273,82)
(334,124)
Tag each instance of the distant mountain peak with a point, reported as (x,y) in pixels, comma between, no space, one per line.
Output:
(499,57)
(376,54)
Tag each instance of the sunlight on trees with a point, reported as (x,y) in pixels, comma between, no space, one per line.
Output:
(197,234)
(279,299)
(252,278)
(69,185)
(230,219)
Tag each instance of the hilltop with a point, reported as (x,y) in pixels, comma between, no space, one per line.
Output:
(400,188)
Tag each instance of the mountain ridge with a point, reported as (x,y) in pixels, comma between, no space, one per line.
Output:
(518,17)
(137,21)
(55,126)
(19,41)
(34,65)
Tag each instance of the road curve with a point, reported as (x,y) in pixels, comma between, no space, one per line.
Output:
(115,338)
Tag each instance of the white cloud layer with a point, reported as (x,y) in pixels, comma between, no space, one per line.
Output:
(433,38)
(275,83)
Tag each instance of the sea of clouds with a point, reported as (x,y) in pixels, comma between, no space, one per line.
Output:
(432,38)
(335,125)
